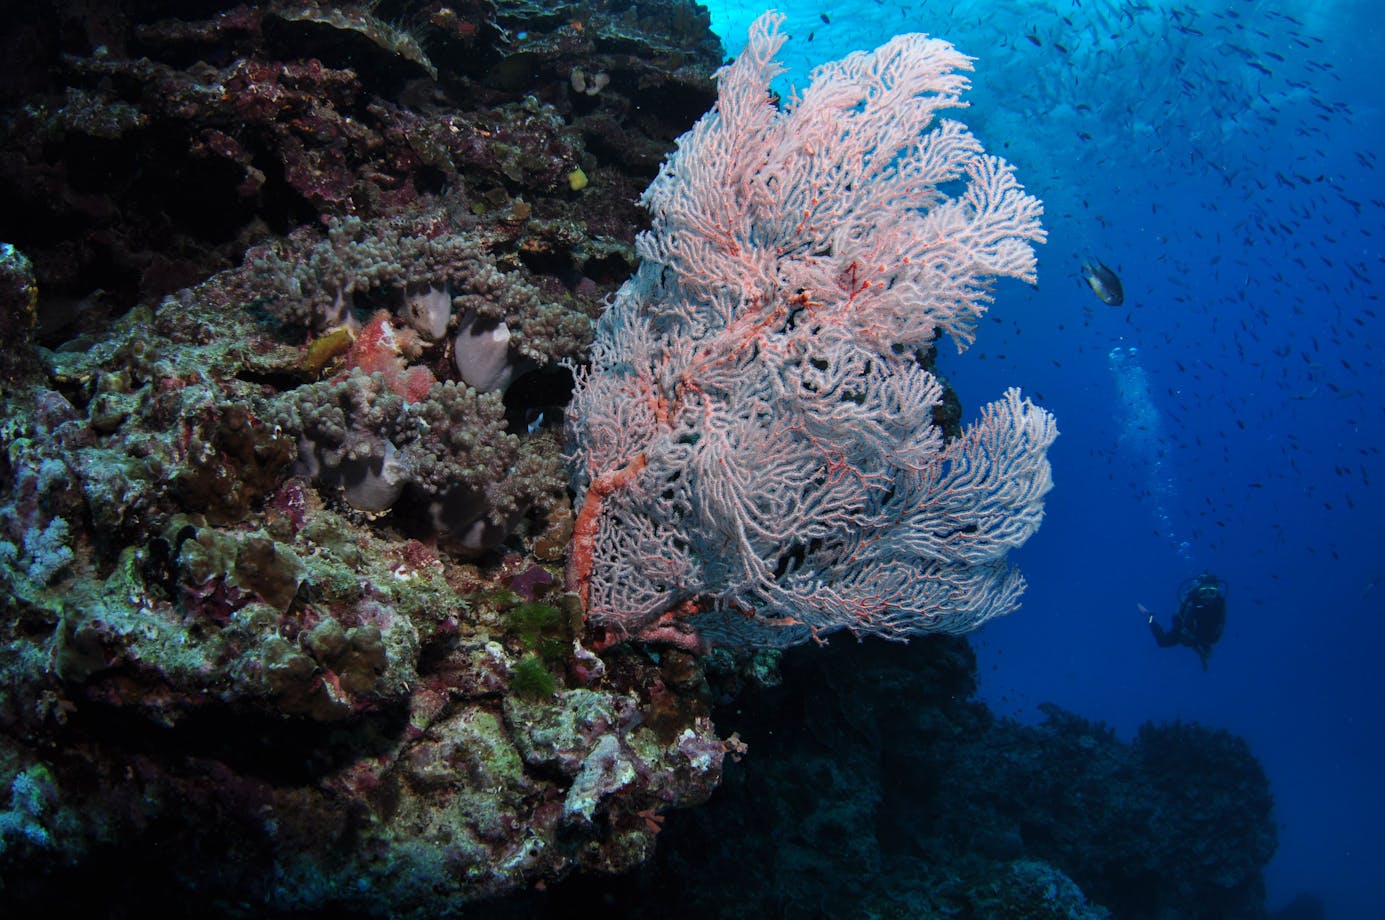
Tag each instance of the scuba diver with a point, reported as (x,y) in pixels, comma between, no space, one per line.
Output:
(1200,618)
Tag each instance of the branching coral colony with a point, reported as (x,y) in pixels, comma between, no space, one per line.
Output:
(753,447)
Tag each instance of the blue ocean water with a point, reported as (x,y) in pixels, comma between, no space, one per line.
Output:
(1222,156)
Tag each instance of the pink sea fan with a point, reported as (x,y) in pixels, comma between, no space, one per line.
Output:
(753,447)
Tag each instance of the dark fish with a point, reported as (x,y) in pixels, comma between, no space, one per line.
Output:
(1103,282)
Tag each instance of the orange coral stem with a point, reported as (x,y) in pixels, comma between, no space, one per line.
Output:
(579,561)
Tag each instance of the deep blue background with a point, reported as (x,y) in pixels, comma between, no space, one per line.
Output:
(1222,156)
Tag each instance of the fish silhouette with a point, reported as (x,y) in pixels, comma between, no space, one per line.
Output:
(1103,282)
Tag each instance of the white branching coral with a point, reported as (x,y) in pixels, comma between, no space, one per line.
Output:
(753,446)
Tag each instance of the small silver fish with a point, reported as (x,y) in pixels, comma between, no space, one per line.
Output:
(1103,282)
